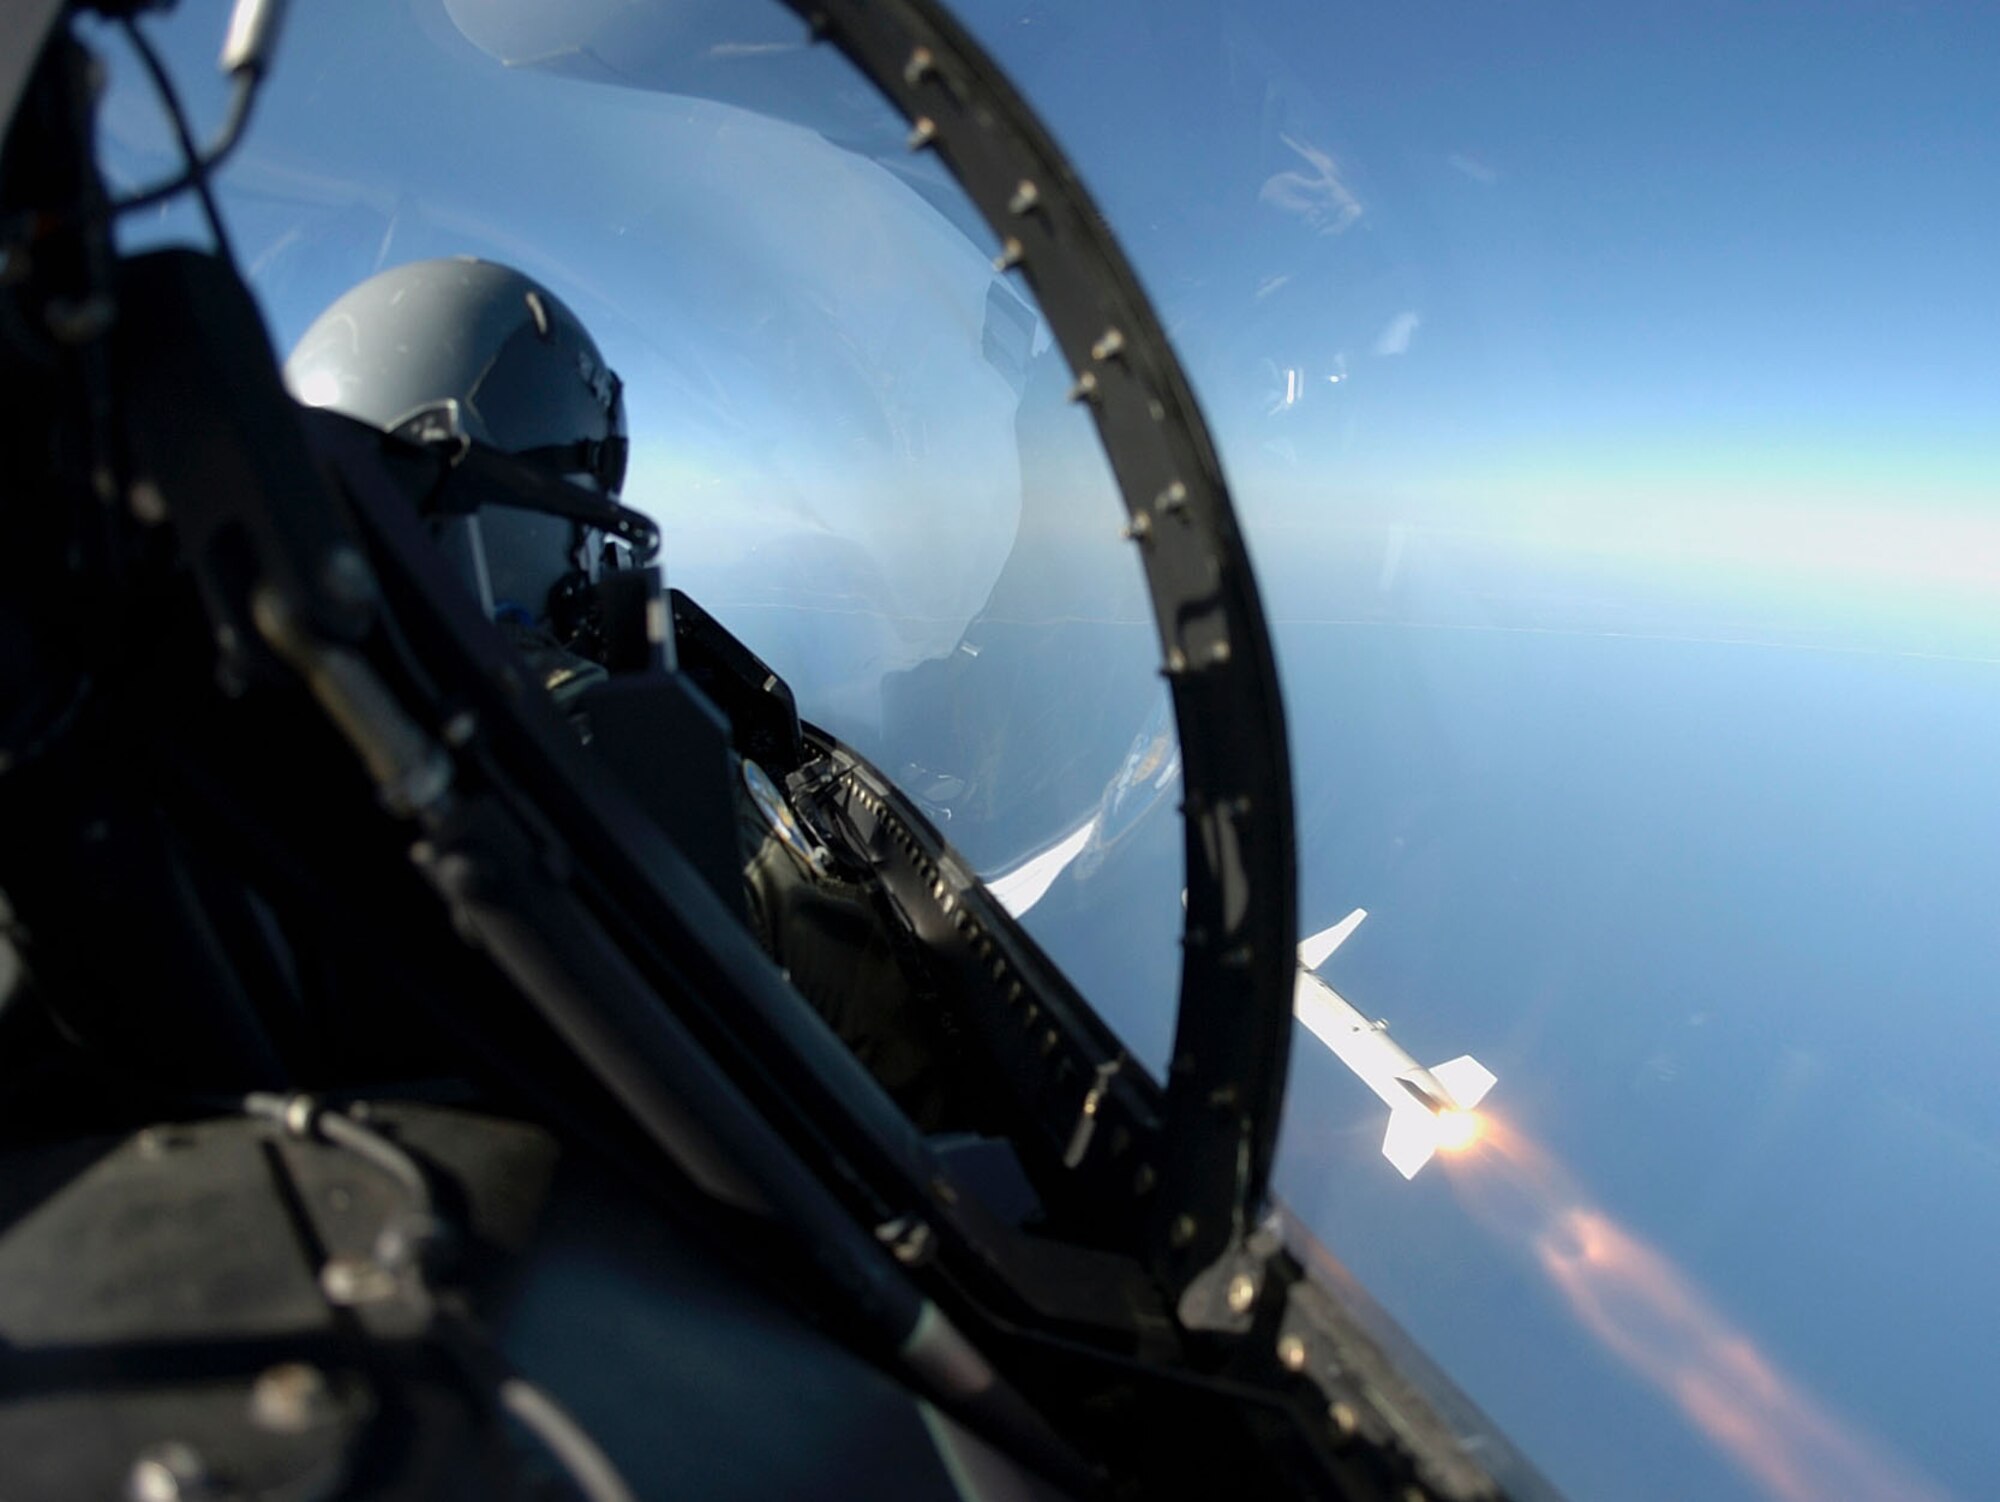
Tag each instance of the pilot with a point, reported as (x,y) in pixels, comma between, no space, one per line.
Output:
(454,350)
(465,349)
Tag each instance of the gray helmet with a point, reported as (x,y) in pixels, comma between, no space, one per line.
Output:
(464,346)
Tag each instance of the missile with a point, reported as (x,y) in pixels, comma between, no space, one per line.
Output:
(1428,1108)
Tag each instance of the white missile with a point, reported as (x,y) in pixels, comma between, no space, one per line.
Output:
(1428,1108)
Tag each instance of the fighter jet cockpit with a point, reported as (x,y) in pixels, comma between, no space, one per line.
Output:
(648,841)
(699,702)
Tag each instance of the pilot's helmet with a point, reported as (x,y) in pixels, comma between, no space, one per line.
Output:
(464,346)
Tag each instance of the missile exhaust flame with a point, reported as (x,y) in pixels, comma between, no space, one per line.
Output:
(1458,1130)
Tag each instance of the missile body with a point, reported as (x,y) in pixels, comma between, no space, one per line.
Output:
(1428,1108)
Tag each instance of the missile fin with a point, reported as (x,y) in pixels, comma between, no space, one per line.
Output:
(1411,1140)
(1313,951)
(1466,1078)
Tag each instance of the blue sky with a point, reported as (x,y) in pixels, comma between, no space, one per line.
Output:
(1611,394)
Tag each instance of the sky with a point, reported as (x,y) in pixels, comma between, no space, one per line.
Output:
(1609,395)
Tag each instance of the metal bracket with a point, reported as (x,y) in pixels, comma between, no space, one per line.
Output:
(1222,1297)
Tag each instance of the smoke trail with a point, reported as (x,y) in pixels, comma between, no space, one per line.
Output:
(1634,1300)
